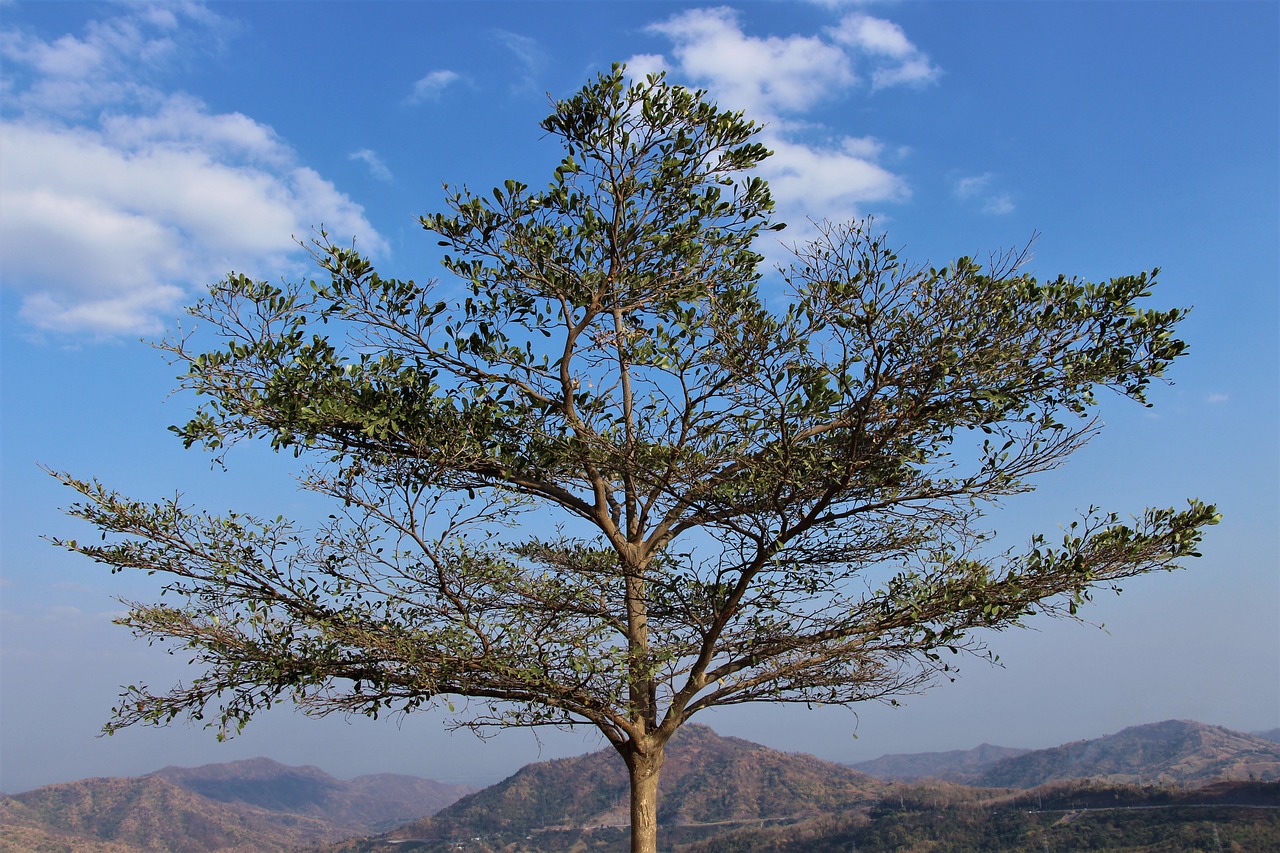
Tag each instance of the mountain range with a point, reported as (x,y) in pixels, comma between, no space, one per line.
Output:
(1175,752)
(716,789)
(254,806)
(719,795)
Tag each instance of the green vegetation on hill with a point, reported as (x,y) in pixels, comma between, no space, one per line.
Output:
(25,829)
(1238,817)
(1233,817)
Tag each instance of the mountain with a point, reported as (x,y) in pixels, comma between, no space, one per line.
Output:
(707,781)
(1269,734)
(954,766)
(1175,752)
(250,806)
(147,813)
(363,804)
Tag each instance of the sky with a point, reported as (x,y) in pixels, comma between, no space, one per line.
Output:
(148,149)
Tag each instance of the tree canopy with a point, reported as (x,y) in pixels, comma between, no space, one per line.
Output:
(611,482)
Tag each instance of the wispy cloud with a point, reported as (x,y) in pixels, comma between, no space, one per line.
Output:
(840,4)
(433,85)
(966,188)
(528,52)
(114,59)
(1218,398)
(977,188)
(370,158)
(121,197)
(999,204)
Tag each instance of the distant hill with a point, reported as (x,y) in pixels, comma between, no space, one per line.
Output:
(252,806)
(363,804)
(1082,815)
(707,780)
(148,813)
(1269,734)
(954,766)
(1175,752)
(24,829)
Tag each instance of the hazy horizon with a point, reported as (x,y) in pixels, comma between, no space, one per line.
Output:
(485,781)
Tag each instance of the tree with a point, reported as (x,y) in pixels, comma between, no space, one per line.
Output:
(612,485)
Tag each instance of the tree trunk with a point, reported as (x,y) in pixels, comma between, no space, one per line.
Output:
(644,769)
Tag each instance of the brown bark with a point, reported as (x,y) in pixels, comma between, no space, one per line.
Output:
(644,768)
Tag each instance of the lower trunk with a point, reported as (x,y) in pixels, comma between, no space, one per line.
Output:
(644,769)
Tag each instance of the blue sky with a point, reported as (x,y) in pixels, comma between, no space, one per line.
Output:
(145,150)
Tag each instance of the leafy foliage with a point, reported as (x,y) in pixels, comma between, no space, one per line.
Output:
(611,484)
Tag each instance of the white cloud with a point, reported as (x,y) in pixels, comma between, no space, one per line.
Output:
(894,60)
(108,224)
(110,62)
(66,57)
(108,236)
(432,85)
(778,80)
(1218,398)
(764,76)
(183,122)
(642,65)
(874,35)
(820,182)
(370,158)
(910,72)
